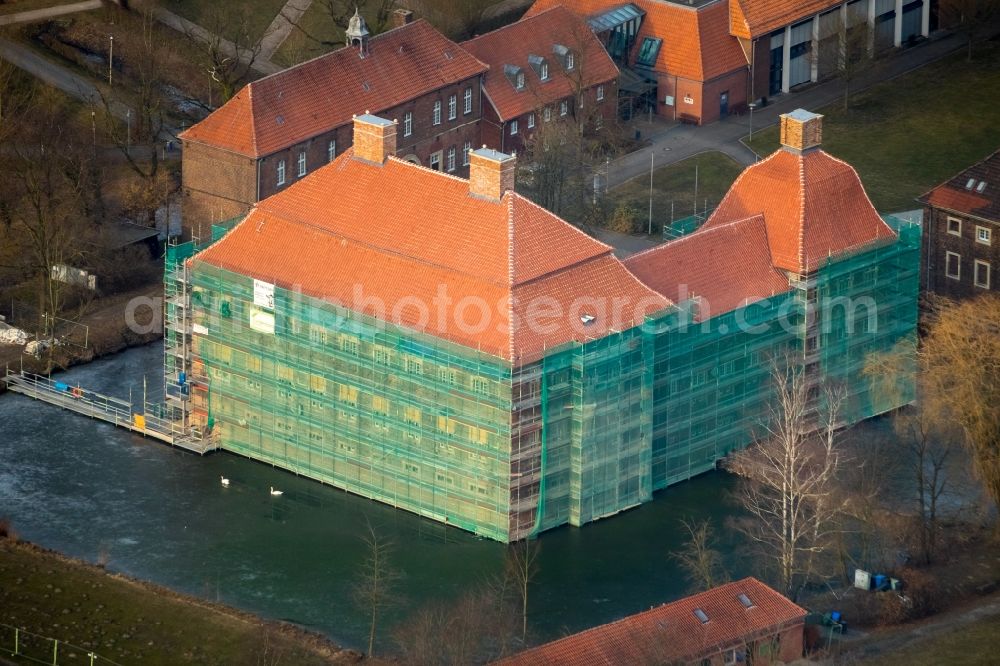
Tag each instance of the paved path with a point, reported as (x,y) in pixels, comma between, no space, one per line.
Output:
(281,27)
(64,79)
(674,143)
(49,12)
(195,31)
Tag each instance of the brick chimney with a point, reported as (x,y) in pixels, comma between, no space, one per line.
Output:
(401,17)
(374,138)
(801,130)
(491,173)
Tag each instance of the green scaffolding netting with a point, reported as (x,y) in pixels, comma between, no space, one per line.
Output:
(507,450)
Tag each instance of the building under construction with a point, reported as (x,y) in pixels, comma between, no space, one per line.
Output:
(448,347)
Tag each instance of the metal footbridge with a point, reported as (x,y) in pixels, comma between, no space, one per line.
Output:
(115,411)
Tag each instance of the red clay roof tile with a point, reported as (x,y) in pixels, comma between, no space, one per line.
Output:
(316,96)
(696,40)
(759,17)
(813,204)
(725,267)
(536,35)
(389,256)
(974,191)
(671,633)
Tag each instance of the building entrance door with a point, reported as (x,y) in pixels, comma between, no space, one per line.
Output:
(777,60)
(724,104)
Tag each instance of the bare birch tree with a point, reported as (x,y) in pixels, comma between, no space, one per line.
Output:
(375,588)
(521,568)
(787,480)
(971,18)
(700,560)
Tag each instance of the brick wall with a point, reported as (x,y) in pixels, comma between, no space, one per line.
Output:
(217,185)
(938,242)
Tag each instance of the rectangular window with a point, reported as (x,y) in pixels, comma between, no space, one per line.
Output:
(982,274)
(984,235)
(435,161)
(531,120)
(450,163)
(465,153)
(648,51)
(380,405)
(408,123)
(513,127)
(381,355)
(954,226)
(544,74)
(480,386)
(437,112)
(570,60)
(468,100)
(411,415)
(563,108)
(600,93)
(331,151)
(452,107)
(547,114)
(281,172)
(347,394)
(446,375)
(953,265)
(413,366)
(302,163)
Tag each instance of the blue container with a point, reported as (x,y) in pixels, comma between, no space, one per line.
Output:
(835,616)
(61,387)
(183,377)
(881,582)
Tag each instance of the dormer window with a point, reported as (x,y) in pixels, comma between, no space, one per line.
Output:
(515,75)
(565,56)
(540,66)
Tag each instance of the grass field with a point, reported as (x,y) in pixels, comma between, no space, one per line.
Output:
(907,135)
(317,24)
(676,184)
(131,622)
(974,643)
(259,13)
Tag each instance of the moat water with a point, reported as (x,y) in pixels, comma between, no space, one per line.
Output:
(82,487)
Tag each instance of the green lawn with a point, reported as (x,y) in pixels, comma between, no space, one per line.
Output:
(676,184)
(907,135)
(209,14)
(129,622)
(972,644)
(315,22)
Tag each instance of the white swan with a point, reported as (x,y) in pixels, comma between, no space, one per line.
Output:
(276,492)
(225,481)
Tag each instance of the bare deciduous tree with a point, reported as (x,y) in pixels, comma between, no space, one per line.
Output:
(378,15)
(477,628)
(960,361)
(856,54)
(45,195)
(375,588)
(787,479)
(230,48)
(521,568)
(699,558)
(971,18)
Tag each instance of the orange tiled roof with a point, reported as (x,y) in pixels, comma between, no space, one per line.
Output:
(813,205)
(696,40)
(753,18)
(671,633)
(536,35)
(316,96)
(962,193)
(389,255)
(726,267)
